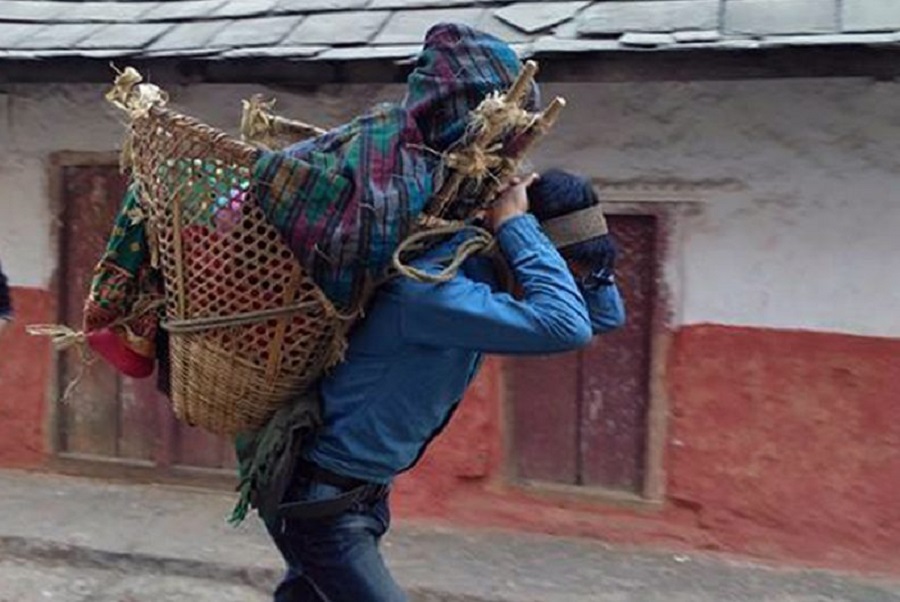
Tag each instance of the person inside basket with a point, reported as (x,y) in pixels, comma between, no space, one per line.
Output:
(408,365)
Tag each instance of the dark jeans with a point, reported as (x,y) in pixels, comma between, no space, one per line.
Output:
(335,559)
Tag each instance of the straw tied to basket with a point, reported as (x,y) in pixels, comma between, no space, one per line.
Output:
(249,324)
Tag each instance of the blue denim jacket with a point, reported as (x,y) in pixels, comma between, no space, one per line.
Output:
(409,363)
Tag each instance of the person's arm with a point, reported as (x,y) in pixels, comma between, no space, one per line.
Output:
(551,316)
(605,307)
(598,286)
(6,309)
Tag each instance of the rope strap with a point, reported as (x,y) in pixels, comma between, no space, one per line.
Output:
(63,337)
(260,125)
(134,97)
(482,241)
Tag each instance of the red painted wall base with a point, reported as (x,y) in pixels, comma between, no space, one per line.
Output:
(24,376)
(782,445)
(787,444)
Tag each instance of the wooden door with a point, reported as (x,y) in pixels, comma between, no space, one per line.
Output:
(107,416)
(581,418)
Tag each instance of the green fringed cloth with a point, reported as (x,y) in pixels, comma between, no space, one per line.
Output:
(266,458)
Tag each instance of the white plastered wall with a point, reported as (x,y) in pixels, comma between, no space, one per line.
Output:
(803,237)
(805,234)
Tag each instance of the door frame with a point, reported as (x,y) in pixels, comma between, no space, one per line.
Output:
(57,162)
(661,201)
(159,470)
(654,483)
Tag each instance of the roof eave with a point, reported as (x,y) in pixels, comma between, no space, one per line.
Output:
(687,62)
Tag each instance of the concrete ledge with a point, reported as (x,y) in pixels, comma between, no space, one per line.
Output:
(80,557)
(52,553)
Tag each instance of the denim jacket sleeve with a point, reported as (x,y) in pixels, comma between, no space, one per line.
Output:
(550,317)
(605,307)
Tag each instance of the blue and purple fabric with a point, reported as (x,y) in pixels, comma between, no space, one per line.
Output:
(343,201)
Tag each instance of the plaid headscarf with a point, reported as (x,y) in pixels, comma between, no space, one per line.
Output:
(345,200)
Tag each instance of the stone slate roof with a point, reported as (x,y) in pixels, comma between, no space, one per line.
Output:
(359,30)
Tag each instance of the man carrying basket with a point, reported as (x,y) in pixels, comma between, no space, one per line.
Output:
(408,365)
(319,466)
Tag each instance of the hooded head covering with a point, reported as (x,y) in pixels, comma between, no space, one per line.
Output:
(457,68)
(343,201)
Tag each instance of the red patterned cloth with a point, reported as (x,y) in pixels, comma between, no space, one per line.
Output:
(118,329)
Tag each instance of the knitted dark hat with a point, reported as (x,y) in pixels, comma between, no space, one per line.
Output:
(558,192)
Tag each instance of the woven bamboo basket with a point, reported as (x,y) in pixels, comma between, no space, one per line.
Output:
(248,327)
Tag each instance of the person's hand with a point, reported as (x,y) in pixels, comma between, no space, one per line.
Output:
(511,202)
(3,323)
(600,270)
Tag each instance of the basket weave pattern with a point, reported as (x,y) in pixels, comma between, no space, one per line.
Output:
(248,328)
